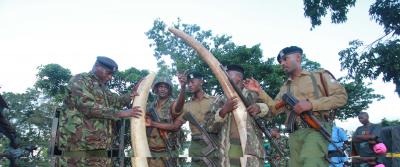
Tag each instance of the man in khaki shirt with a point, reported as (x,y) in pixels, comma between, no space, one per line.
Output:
(198,106)
(318,92)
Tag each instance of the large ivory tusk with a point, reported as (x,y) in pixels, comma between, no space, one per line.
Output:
(240,113)
(138,128)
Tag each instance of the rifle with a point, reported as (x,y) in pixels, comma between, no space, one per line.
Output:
(206,160)
(211,144)
(121,147)
(163,135)
(308,118)
(260,123)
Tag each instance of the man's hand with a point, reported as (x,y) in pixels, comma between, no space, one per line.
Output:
(301,106)
(253,85)
(229,106)
(182,79)
(253,109)
(148,121)
(134,112)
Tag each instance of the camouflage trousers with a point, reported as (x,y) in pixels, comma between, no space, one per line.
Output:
(82,162)
(308,148)
(159,159)
(198,158)
(236,154)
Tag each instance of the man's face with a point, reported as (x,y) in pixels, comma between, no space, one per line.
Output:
(103,74)
(195,85)
(235,76)
(162,90)
(363,119)
(290,62)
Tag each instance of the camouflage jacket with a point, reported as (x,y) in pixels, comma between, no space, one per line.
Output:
(227,129)
(85,121)
(164,113)
(283,144)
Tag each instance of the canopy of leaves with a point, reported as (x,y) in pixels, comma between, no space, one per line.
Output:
(316,9)
(380,60)
(53,80)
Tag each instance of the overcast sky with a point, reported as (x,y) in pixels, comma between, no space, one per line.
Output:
(73,32)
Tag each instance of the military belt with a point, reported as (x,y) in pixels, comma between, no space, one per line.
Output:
(91,153)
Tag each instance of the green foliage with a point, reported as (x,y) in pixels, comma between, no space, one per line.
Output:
(53,80)
(30,113)
(316,9)
(382,59)
(123,81)
(359,97)
(387,14)
(386,122)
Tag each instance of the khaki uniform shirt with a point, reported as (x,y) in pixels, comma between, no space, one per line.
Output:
(303,88)
(198,109)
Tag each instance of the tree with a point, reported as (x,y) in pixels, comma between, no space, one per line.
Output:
(52,79)
(267,72)
(381,57)
(386,122)
(30,114)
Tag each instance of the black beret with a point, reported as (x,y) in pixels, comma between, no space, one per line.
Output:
(235,67)
(194,74)
(288,50)
(108,63)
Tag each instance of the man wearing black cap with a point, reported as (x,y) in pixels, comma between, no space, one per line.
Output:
(318,92)
(224,124)
(85,129)
(198,106)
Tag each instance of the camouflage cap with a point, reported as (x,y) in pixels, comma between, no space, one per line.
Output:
(164,80)
(288,50)
(107,63)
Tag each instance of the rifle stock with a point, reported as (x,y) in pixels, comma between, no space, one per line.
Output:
(211,144)
(310,120)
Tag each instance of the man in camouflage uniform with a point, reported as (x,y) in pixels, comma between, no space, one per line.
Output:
(199,107)
(283,144)
(85,130)
(224,124)
(318,92)
(164,105)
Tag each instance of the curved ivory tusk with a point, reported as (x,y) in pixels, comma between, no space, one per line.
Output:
(138,128)
(240,113)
